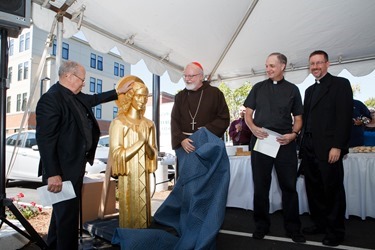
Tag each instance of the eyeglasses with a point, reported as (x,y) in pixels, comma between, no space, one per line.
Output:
(82,79)
(317,63)
(189,76)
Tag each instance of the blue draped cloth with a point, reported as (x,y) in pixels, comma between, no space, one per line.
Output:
(196,206)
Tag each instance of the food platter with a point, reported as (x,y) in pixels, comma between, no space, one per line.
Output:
(362,149)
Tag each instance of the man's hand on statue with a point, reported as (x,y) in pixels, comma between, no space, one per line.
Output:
(187,145)
(54,184)
(125,88)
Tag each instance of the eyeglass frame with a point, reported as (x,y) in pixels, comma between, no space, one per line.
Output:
(317,63)
(82,79)
(190,76)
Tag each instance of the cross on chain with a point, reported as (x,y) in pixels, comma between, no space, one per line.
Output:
(192,124)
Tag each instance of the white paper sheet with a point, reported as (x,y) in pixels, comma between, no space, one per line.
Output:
(48,198)
(268,146)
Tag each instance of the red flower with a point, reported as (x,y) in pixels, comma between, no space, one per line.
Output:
(33,204)
(21,195)
(40,209)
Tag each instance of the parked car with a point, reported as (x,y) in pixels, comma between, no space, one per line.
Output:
(25,160)
(104,141)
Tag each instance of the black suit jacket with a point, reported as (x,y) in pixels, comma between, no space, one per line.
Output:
(60,135)
(331,115)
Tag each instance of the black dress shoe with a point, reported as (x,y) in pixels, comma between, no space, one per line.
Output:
(297,237)
(313,230)
(259,234)
(332,241)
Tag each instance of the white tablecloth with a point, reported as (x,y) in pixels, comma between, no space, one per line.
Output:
(359,185)
(359,182)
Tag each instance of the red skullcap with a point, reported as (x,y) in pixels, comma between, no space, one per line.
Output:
(198,64)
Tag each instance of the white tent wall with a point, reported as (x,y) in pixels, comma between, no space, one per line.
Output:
(230,39)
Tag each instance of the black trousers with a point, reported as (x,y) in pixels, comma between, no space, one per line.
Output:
(285,164)
(325,190)
(64,224)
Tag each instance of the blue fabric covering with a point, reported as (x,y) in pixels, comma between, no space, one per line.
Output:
(196,206)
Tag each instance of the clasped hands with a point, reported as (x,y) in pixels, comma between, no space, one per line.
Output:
(238,127)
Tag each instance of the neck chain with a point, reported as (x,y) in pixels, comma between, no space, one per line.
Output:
(196,112)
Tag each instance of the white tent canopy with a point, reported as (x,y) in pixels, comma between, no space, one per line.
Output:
(231,39)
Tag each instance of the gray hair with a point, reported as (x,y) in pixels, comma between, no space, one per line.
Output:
(68,67)
(281,57)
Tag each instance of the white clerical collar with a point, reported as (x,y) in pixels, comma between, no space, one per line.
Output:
(317,81)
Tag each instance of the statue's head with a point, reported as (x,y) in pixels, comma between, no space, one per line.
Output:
(136,97)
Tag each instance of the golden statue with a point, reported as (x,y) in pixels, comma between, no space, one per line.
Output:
(134,155)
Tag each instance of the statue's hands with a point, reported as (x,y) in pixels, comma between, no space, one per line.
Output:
(141,137)
(143,134)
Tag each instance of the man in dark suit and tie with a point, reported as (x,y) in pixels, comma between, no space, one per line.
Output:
(67,134)
(328,107)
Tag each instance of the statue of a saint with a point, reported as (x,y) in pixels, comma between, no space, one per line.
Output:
(134,155)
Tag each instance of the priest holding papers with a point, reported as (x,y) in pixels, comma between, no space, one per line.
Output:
(270,106)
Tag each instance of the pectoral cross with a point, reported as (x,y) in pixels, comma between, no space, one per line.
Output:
(192,124)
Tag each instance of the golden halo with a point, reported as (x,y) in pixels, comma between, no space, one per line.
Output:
(122,81)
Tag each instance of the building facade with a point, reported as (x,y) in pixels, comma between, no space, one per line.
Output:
(25,86)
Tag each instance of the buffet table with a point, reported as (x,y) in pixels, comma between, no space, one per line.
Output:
(359,184)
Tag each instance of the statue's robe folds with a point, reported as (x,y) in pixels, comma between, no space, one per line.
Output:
(196,206)
(133,174)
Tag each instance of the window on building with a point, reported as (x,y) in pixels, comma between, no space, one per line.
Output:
(122,70)
(10,74)
(65,51)
(25,70)
(9,99)
(11,47)
(20,66)
(93,61)
(100,63)
(22,43)
(18,107)
(115,112)
(24,101)
(115,69)
(98,113)
(27,41)
(54,47)
(92,84)
(99,86)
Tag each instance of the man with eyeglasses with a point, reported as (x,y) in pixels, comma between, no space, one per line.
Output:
(198,105)
(328,108)
(196,205)
(67,134)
